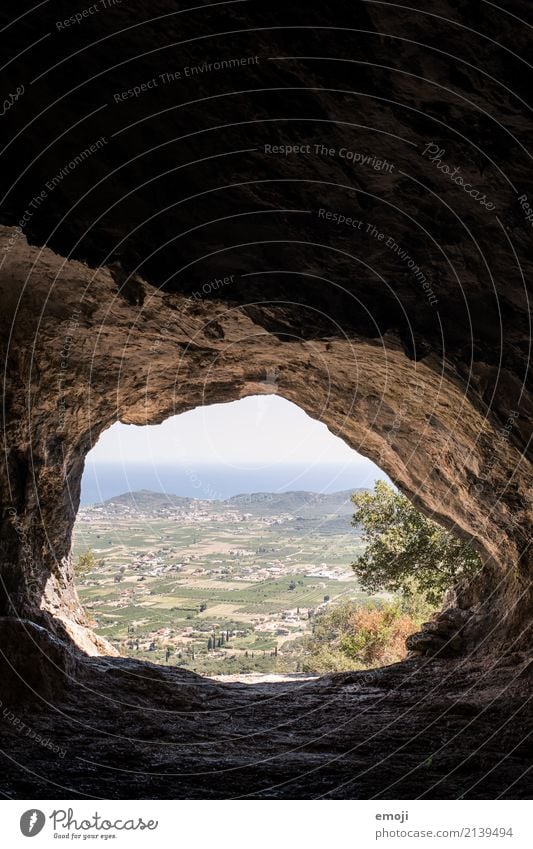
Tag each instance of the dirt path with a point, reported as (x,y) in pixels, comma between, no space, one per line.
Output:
(264,678)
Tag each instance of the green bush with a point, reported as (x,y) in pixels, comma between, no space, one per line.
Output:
(356,635)
(405,551)
(85,563)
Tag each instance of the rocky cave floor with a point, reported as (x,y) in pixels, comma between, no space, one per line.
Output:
(119,728)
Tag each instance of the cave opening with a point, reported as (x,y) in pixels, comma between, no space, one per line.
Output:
(417,418)
(218,539)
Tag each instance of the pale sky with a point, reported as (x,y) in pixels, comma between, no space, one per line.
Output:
(255,432)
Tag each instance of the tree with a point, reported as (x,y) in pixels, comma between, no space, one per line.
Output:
(405,551)
(85,563)
(210,644)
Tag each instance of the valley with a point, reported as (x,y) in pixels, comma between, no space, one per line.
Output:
(217,587)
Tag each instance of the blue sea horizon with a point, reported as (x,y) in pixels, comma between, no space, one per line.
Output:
(102,481)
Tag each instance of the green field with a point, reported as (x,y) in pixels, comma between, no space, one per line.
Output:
(167,587)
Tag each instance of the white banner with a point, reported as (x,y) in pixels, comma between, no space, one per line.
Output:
(267,824)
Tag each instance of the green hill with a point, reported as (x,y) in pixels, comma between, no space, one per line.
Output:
(297,503)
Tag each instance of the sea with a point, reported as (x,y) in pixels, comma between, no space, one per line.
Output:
(102,481)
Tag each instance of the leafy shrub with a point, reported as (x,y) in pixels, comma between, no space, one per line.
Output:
(356,635)
(405,551)
(85,563)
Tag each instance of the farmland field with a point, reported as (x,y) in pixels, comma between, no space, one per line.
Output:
(214,586)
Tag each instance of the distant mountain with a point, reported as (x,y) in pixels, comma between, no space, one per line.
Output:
(297,503)
(144,499)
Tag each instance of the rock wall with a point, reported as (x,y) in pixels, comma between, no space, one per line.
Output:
(194,201)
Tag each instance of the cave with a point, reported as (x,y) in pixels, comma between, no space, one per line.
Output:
(191,200)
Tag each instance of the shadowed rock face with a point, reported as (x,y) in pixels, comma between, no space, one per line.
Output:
(163,248)
(117,728)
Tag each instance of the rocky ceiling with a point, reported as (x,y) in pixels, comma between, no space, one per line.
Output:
(339,192)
